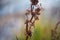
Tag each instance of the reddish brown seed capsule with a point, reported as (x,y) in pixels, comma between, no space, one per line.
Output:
(37,11)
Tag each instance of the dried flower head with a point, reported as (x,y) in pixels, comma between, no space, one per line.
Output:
(34,2)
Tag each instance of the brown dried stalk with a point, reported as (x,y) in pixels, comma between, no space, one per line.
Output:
(58,37)
(34,16)
(28,31)
(57,25)
(16,38)
(54,32)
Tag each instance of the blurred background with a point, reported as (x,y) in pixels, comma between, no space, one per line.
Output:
(12,18)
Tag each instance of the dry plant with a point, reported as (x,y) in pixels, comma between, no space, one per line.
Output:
(30,23)
(54,33)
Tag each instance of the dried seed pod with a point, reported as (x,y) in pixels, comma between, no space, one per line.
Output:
(33,13)
(29,33)
(38,13)
(27,21)
(28,12)
(37,10)
(34,2)
(36,18)
(32,24)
